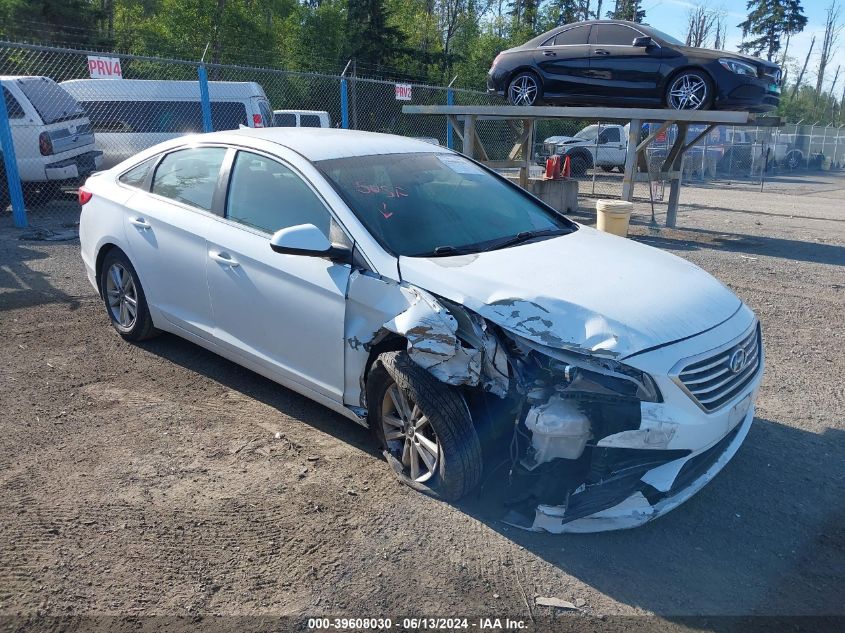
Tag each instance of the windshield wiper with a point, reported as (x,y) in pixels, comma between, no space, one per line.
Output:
(440,251)
(525,236)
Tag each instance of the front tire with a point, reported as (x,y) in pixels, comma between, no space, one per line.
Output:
(124,298)
(424,427)
(525,90)
(690,90)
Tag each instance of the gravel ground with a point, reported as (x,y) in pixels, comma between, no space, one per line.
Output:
(163,480)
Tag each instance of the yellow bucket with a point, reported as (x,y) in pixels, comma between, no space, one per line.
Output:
(613,216)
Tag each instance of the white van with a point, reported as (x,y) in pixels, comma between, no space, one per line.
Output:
(54,145)
(130,115)
(301,118)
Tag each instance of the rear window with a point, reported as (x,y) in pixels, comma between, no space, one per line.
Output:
(309,120)
(576,35)
(136,176)
(189,175)
(13,108)
(162,117)
(50,100)
(285,120)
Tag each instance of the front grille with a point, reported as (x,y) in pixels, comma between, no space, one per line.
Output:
(713,381)
(773,75)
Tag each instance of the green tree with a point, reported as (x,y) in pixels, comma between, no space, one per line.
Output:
(371,38)
(767,22)
(630,10)
(55,21)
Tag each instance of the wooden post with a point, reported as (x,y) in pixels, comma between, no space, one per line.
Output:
(469,136)
(631,159)
(524,170)
(674,162)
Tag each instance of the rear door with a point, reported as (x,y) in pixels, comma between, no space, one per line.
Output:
(284,312)
(564,63)
(166,228)
(620,70)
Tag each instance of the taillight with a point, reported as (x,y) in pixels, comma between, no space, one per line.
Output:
(84,195)
(45,145)
(257,121)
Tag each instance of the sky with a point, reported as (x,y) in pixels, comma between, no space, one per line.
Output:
(671,15)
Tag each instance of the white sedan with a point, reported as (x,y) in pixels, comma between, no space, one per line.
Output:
(416,292)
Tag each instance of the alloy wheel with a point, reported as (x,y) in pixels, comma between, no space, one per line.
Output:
(523,91)
(122,296)
(409,435)
(688,92)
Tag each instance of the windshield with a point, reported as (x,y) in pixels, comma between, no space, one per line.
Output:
(589,133)
(51,101)
(428,204)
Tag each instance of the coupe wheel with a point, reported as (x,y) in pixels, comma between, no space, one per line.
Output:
(690,91)
(424,427)
(793,159)
(124,298)
(524,90)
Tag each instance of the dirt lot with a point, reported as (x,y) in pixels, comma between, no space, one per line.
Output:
(149,479)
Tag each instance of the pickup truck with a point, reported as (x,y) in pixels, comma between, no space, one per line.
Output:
(596,145)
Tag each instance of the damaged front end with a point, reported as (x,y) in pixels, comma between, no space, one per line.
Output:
(583,441)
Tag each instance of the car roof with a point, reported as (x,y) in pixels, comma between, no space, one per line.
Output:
(158,89)
(327,143)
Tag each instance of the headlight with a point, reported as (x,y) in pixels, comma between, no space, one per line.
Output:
(609,376)
(738,67)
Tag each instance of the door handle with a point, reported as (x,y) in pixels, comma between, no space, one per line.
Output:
(601,51)
(549,53)
(223,258)
(140,222)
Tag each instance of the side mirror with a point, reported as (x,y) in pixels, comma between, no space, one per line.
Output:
(308,240)
(643,42)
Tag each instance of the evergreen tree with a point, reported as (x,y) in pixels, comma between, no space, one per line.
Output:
(371,39)
(630,10)
(768,21)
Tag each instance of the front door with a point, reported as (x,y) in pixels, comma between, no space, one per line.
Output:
(621,71)
(284,312)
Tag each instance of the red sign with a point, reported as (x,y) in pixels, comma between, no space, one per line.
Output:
(403,92)
(104,67)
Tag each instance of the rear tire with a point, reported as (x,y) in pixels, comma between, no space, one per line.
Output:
(607,168)
(419,420)
(124,298)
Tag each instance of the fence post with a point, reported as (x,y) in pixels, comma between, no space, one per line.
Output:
(344,104)
(205,101)
(12,176)
(450,100)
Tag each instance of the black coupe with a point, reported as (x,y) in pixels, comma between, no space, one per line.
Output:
(611,62)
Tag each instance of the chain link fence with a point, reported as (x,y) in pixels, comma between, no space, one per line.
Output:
(64,125)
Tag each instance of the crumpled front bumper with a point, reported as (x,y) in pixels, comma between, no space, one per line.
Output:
(637,509)
(696,443)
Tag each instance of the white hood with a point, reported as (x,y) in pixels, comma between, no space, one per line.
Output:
(587,290)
